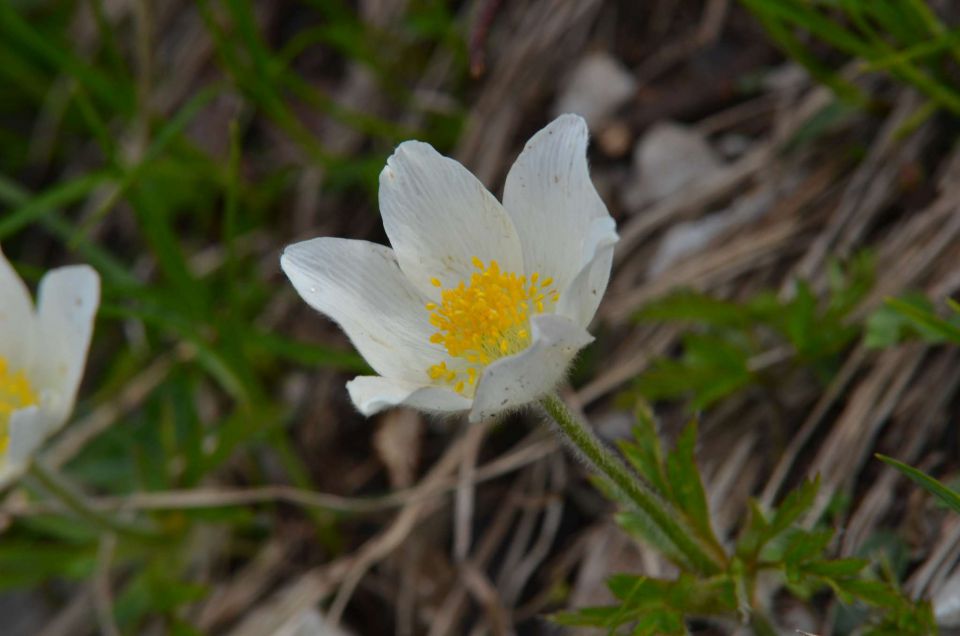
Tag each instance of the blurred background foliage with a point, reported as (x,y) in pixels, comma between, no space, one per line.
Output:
(163,143)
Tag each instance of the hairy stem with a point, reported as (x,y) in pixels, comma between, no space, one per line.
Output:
(582,440)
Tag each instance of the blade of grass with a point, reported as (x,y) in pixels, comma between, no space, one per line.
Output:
(928,483)
(59,196)
(15,30)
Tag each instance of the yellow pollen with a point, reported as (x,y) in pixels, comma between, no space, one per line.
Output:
(483,319)
(15,394)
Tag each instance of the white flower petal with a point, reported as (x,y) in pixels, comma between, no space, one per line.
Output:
(371,394)
(360,286)
(8,473)
(438,216)
(519,379)
(579,301)
(549,196)
(16,317)
(27,429)
(67,302)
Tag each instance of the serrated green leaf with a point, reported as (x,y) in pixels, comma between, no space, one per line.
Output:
(629,586)
(793,506)
(686,485)
(754,533)
(645,453)
(656,606)
(876,593)
(837,568)
(800,546)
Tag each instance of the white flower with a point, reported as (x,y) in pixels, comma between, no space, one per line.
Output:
(479,306)
(42,355)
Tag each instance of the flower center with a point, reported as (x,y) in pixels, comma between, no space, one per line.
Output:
(15,394)
(483,319)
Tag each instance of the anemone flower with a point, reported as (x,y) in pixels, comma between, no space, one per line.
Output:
(43,352)
(480,306)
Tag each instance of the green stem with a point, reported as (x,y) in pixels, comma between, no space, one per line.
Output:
(76,503)
(586,443)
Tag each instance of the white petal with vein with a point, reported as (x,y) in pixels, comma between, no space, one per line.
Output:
(360,286)
(372,394)
(552,201)
(16,317)
(579,301)
(438,216)
(67,302)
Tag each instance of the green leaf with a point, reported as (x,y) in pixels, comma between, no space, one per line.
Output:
(156,588)
(661,623)
(646,454)
(698,308)
(635,589)
(56,527)
(793,506)
(588,617)
(800,546)
(838,568)
(885,328)
(950,497)
(686,485)
(26,563)
(801,324)
(755,532)
(759,530)
(657,606)
(876,593)
(932,326)
(712,367)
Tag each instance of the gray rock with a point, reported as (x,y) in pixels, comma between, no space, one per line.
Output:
(666,159)
(596,87)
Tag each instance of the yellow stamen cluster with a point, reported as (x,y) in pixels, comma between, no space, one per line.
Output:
(485,319)
(15,394)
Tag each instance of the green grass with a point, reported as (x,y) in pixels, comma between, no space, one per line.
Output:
(187,243)
(904,40)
